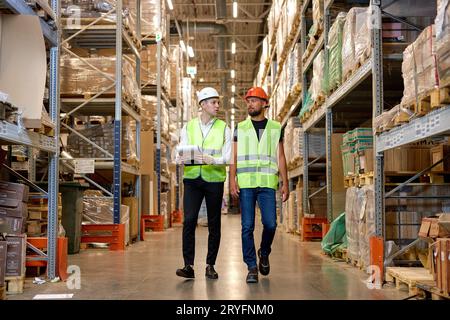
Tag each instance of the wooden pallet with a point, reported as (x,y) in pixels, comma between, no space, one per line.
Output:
(3,293)
(294,163)
(428,289)
(351,181)
(340,254)
(366,179)
(407,276)
(14,285)
(428,101)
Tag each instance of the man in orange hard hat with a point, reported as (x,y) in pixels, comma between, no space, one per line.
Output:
(258,160)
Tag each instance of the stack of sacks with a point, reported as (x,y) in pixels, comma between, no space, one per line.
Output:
(419,66)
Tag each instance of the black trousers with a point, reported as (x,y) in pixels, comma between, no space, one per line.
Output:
(194,192)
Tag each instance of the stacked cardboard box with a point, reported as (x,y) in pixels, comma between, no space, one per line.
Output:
(13,206)
(77,78)
(293,141)
(149,59)
(356,39)
(103,136)
(419,67)
(442,23)
(355,143)
(149,16)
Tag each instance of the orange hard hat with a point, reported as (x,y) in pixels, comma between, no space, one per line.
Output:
(257,92)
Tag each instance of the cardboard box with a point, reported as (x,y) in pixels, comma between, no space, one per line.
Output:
(435,227)
(15,225)
(3,249)
(21,211)
(15,257)
(133,204)
(147,156)
(14,191)
(437,153)
(441,254)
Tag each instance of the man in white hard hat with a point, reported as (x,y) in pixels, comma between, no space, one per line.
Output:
(205,149)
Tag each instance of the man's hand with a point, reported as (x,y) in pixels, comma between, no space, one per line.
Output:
(234,189)
(285,192)
(207,159)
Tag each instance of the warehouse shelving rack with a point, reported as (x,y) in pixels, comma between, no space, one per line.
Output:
(13,134)
(111,35)
(369,76)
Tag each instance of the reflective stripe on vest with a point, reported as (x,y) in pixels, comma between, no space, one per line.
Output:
(257,159)
(212,145)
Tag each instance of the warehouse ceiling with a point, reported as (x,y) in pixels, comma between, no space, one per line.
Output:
(206,26)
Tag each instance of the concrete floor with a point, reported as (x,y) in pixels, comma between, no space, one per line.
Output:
(146,270)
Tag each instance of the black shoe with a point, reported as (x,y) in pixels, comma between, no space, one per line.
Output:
(186,272)
(211,273)
(264,266)
(252,276)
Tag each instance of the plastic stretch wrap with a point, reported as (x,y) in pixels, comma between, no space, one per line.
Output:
(391,118)
(293,212)
(354,43)
(291,137)
(419,66)
(99,210)
(363,36)
(149,66)
(367,228)
(77,78)
(318,83)
(335,52)
(103,136)
(352,202)
(442,24)
(317,6)
(149,16)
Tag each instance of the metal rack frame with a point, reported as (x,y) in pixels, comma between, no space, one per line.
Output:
(14,134)
(112,36)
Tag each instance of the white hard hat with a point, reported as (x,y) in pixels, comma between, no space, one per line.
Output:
(207,93)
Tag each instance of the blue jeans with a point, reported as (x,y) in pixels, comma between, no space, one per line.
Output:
(267,203)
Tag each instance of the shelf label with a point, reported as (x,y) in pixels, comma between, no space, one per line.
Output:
(84,166)
(158,37)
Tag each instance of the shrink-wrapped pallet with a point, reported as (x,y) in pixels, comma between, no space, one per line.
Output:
(419,67)
(318,83)
(335,52)
(442,24)
(78,78)
(352,202)
(356,38)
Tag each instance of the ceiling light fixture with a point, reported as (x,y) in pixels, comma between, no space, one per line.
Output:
(233,47)
(233,73)
(235,9)
(232,100)
(183,46)
(190,51)
(169,3)
(233,88)
(201,80)
(233,110)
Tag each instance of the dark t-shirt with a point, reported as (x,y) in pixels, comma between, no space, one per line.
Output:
(259,127)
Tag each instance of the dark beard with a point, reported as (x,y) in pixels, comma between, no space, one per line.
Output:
(255,113)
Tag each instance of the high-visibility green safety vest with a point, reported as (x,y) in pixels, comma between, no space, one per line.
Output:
(212,145)
(257,162)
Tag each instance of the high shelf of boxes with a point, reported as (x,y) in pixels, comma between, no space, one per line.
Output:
(373,113)
(162,96)
(23,117)
(101,112)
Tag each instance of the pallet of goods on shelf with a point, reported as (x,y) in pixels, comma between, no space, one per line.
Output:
(356,41)
(293,142)
(79,80)
(103,136)
(273,20)
(97,209)
(149,67)
(392,118)
(83,13)
(420,77)
(334,68)
(316,29)
(442,27)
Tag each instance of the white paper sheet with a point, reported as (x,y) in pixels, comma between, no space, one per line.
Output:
(23,65)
